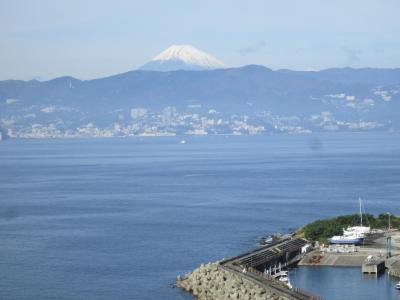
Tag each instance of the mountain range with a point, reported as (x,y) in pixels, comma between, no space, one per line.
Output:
(247,100)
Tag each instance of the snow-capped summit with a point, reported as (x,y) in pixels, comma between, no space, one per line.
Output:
(183,57)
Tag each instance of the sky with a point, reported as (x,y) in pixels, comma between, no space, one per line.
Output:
(43,39)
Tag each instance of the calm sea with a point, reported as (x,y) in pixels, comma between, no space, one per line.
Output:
(121,218)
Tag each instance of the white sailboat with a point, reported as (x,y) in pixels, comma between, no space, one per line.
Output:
(358,229)
(354,235)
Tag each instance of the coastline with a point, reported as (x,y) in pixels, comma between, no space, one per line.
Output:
(226,279)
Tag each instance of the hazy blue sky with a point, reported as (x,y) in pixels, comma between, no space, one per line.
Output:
(88,39)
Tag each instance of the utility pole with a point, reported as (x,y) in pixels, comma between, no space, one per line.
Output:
(388,246)
(389,220)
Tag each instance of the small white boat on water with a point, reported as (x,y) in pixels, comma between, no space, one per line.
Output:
(398,286)
(284,277)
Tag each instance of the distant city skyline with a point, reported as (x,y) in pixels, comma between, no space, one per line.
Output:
(90,39)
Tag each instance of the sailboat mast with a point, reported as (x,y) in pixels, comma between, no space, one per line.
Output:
(359,200)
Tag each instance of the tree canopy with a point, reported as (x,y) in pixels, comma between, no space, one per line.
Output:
(321,230)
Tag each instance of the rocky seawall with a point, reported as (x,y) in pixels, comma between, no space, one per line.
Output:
(212,282)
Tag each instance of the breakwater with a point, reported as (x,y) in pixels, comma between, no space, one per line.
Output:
(212,281)
(256,274)
(246,276)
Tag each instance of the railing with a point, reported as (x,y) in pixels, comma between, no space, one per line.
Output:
(308,294)
(261,274)
(266,252)
(243,265)
(273,279)
(241,256)
(394,273)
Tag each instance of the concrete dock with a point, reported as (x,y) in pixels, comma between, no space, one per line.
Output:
(372,258)
(393,266)
(318,258)
(373,265)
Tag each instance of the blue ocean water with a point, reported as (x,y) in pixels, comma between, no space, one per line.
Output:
(344,283)
(121,218)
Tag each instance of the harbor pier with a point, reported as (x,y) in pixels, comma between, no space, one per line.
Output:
(262,273)
(252,275)
(373,265)
(271,258)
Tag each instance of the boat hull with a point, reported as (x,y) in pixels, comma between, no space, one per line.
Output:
(350,241)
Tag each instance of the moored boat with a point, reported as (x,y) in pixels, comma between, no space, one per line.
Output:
(353,235)
(356,239)
(357,230)
(284,277)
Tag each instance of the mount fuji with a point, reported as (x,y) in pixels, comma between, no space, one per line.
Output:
(183,57)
